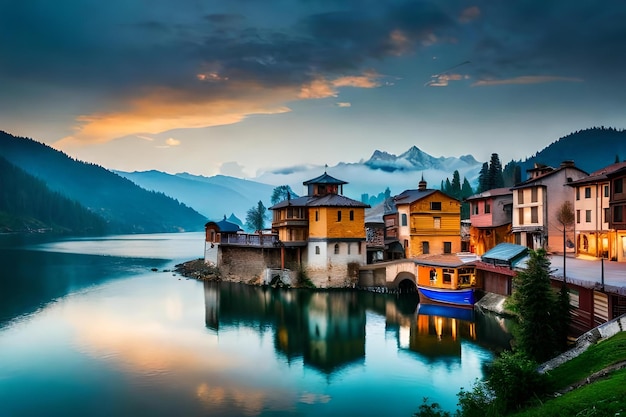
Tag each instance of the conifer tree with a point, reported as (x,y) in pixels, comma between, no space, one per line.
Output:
(535,304)
(495,173)
(483,180)
(256,216)
(455,186)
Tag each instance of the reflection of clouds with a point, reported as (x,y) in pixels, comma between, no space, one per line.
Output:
(250,402)
(311,398)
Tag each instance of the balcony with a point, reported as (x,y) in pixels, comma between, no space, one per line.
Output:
(251,239)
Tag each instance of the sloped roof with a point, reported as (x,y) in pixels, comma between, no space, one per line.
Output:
(226,226)
(506,252)
(410,196)
(451,260)
(496,192)
(601,174)
(324,179)
(530,181)
(328,200)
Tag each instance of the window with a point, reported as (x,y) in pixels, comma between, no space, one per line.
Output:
(338,215)
(351,215)
(587,192)
(317,250)
(437,222)
(425,248)
(349,244)
(317,215)
(534,195)
(487,208)
(607,213)
(617,214)
(447,275)
(359,248)
(435,205)
(447,247)
(403,219)
(588,216)
(577,216)
(474,208)
(520,215)
(534,215)
(606,190)
(577,193)
(336,248)
(520,196)
(618,185)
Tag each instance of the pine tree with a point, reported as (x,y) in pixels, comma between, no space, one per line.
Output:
(483,178)
(535,304)
(281,193)
(455,189)
(494,176)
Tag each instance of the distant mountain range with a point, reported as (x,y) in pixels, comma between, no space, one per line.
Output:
(154,201)
(124,206)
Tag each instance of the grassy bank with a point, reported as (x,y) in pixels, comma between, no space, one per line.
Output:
(593,384)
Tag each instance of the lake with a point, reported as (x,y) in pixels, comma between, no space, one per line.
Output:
(104,327)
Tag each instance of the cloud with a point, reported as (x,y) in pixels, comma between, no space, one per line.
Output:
(344,104)
(469,14)
(232,169)
(172,142)
(538,79)
(322,88)
(442,80)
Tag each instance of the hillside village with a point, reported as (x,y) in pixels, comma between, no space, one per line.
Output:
(335,241)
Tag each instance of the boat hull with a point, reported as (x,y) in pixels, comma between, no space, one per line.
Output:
(461,297)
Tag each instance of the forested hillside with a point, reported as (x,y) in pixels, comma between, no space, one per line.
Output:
(590,149)
(26,204)
(125,207)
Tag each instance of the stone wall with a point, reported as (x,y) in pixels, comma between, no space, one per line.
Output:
(243,264)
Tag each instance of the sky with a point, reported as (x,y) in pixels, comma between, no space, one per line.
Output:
(243,87)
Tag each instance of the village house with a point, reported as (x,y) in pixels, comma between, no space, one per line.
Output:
(535,223)
(324,231)
(617,210)
(491,214)
(593,233)
(425,221)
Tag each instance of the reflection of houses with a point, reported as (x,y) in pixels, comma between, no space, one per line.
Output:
(490,217)
(534,220)
(326,329)
(323,231)
(593,235)
(426,221)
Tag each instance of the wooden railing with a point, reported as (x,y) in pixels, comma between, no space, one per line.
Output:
(250,239)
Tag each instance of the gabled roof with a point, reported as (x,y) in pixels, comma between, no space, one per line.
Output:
(496,192)
(600,175)
(324,179)
(529,182)
(449,259)
(410,196)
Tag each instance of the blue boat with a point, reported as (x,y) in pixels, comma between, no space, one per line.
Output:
(459,297)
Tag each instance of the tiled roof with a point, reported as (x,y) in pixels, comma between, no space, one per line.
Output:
(226,226)
(531,181)
(409,196)
(600,175)
(505,252)
(328,200)
(496,192)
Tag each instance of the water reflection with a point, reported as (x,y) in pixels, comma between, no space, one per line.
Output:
(327,329)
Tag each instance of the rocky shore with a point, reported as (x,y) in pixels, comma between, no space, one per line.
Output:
(198,269)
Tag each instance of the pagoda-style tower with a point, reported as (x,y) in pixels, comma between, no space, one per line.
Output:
(326,229)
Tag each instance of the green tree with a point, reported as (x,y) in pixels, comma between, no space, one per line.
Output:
(281,193)
(455,186)
(256,216)
(494,175)
(483,178)
(466,191)
(565,218)
(535,304)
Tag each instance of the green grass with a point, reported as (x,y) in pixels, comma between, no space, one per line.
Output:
(594,359)
(604,397)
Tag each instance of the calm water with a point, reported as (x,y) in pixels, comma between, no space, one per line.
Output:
(88,329)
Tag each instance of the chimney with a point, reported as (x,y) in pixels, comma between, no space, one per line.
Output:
(568,163)
(422,184)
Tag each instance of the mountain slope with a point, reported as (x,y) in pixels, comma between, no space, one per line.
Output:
(590,149)
(214,197)
(126,207)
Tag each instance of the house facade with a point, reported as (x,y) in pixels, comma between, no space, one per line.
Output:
(426,221)
(593,234)
(617,210)
(324,231)
(491,214)
(536,202)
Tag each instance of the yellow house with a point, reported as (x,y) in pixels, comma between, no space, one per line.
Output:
(323,231)
(429,221)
